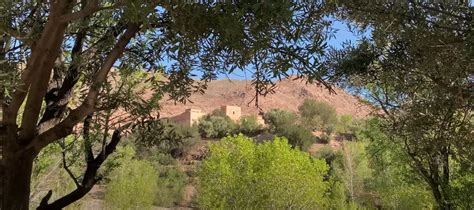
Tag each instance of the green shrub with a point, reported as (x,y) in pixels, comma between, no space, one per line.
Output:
(122,154)
(317,115)
(277,119)
(347,126)
(216,126)
(249,125)
(298,136)
(344,123)
(133,186)
(240,174)
(162,159)
(170,187)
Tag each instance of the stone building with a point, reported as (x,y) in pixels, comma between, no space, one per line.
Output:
(233,112)
(189,117)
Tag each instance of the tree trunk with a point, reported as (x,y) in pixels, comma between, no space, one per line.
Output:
(441,200)
(16,174)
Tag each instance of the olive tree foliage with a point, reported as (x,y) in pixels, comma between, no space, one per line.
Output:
(242,174)
(278,119)
(392,177)
(318,115)
(216,125)
(418,68)
(56,59)
(249,125)
(285,123)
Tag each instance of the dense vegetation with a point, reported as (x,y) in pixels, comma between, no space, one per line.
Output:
(71,71)
(242,174)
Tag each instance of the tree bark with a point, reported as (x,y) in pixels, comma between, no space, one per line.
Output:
(16,172)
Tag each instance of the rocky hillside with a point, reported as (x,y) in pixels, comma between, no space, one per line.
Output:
(289,94)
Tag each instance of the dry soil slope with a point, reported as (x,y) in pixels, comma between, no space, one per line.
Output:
(289,94)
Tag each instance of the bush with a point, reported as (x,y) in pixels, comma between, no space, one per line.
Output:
(240,174)
(317,115)
(133,186)
(170,187)
(277,119)
(216,126)
(122,154)
(298,136)
(249,125)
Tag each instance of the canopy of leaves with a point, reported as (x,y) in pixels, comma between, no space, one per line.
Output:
(216,125)
(277,119)
(418,68)
(317,115)
(249,125)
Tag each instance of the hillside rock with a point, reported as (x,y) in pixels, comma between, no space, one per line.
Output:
(289,94)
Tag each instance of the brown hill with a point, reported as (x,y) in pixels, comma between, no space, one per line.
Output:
(289,94)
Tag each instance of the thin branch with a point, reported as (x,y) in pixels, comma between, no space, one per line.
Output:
(87,139)
(434,9)
(66,167)
(90,176)
(17,34)
(90,9)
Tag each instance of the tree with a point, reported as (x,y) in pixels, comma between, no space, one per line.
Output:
(352,168)
(56,59)
(392,177)
(298,136)
(242,174)
(249,125)
(318,115)
(417,67)
(216,126)
(277,119)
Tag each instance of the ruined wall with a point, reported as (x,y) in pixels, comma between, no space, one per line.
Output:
(188,117)
(191,116)
(234,112)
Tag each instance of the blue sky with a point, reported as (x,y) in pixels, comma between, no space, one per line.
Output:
(342,34)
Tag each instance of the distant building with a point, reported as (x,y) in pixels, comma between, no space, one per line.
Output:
(189,117)
(233,112)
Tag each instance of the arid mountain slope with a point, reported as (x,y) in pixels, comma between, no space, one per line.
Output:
(289,94)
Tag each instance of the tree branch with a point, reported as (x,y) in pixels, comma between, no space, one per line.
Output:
(57,98)
(66,167)
(65,127)
(87,141)
(40,65)
(90,9)
(89,180)
(17,34)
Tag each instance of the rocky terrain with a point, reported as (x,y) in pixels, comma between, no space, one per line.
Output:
(289,94)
